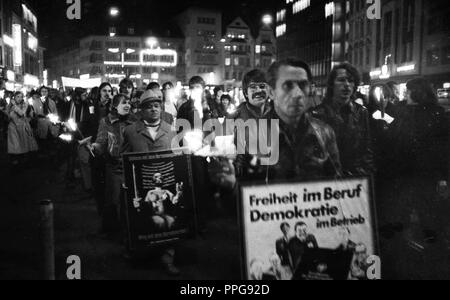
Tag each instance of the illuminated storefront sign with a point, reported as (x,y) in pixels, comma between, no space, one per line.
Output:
(406,68)
(8,40)
(330,9)
(375,73)
(158,58)
(17,37)
(385,74)
(32,42)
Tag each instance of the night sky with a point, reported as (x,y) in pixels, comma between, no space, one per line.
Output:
(57,32)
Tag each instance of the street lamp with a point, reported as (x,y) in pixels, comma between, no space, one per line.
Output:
(267,20)
(114,12)
(151,42)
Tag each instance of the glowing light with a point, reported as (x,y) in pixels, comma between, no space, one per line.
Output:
(160,53)
(32,42)
(85,76)
(447,85)
(112,34)
(31,80)
(8,40)
(406,68)
(66,137)
(375,73)
(330,9)
(53,118)
(267,19)
(10,75)
(378,93)
(76,82)
(130,51)
(114,50)
(194,140)
(281,30)
(155,76)
(114,12)
(151,42)
(300,5)
(72,125)
(17,37)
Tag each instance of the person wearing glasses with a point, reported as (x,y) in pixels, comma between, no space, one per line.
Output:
(307,146)
(256,107)
(349,120)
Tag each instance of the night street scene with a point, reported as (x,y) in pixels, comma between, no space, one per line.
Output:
(224,140)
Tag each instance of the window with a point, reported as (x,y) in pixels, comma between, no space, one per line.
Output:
(227,61)
(209,21)
(433,57)
(281,30)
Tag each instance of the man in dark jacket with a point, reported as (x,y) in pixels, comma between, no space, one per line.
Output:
(307,147)
(349,120)
(192,109)
(257,106)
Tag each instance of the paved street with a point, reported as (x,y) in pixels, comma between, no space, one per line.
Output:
(214,256)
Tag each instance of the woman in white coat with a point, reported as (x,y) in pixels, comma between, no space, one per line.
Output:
(20,135)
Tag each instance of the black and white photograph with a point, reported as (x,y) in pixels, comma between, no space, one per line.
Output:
(160,199)
(284,222)
(238,141)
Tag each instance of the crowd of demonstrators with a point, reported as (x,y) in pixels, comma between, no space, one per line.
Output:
(404,145)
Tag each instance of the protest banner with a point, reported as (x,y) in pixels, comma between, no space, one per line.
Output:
(301,230)
(160,204)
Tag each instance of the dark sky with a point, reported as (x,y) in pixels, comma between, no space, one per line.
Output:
(57,32)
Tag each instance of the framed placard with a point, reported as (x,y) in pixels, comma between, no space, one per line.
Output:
(307,230)
(160,203)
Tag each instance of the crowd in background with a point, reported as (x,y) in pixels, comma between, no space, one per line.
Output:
(402,144)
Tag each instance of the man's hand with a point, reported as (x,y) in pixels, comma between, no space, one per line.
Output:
(136,203)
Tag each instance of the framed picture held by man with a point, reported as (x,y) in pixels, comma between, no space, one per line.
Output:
(159,202)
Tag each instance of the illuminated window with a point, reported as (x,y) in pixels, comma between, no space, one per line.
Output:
(281,30)
(227,61)
(300,5)
(258,49)
(281,16)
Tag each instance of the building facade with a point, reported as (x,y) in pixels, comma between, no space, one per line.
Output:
(21,57)
(243,53)
(202,29)
(113,58)
(265,48)
(238,52)
(411,39)
(314,31)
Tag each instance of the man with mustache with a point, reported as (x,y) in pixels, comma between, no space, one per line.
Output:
(349,120)
(256,94)
(257,106)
